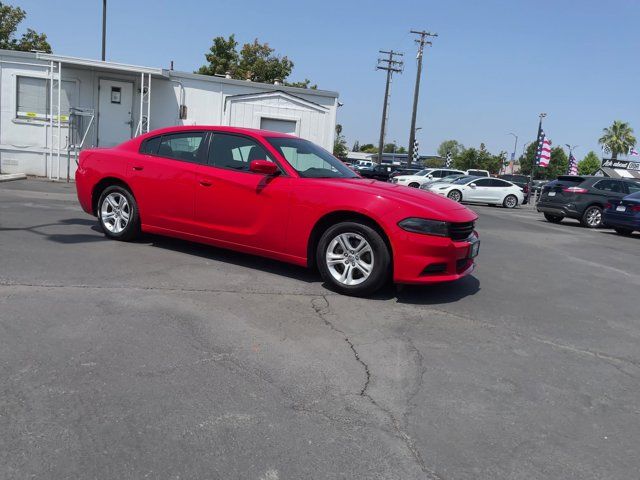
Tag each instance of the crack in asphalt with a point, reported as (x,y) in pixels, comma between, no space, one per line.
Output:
(322,308)
(160,289)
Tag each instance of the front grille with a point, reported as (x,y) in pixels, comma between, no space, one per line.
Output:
(461,231)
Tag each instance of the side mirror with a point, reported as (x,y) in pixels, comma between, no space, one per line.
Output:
(472,185)
(264,167)
(429,176)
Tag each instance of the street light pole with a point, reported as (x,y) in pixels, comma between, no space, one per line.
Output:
(515,146)
(104,28)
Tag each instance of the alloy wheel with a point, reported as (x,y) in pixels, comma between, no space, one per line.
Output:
(115,212)
(349,258)
(455,196)
(594,217)
(511,201)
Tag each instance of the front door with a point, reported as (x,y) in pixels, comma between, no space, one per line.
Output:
(237,206)
(115,108)
(482,191)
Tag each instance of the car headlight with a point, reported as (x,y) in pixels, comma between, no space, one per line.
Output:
(425,226)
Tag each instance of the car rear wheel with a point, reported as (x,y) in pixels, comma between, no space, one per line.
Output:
(118,214)
(353,258)
(455,195)
(592,217)
(553,218)
(623,231)
(414,185)
(510,201)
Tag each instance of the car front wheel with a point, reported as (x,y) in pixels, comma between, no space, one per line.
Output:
(455,195)
(592,217)
(118,214)
(353,258)
(414,185)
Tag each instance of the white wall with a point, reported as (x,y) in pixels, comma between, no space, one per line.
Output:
(24,144)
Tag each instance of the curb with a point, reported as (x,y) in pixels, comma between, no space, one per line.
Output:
(8,177)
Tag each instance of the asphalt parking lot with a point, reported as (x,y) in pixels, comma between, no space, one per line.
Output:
(166,359)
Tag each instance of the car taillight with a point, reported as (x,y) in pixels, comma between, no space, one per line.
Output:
(575,190)
(608,206)
(635,208)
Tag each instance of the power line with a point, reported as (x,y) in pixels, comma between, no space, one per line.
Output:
(421,41)
(391,66)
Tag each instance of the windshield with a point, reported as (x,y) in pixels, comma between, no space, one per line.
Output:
(451,178)
(309,160)
(423,173)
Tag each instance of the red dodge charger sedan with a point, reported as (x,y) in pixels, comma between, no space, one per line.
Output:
(279,196)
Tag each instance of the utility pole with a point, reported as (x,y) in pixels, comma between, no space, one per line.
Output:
(421,41)
(391,65)
(104,28)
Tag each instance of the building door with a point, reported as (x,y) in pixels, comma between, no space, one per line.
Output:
(115,107)
(278,125)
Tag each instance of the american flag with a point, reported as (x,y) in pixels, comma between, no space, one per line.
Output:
(633,152)
(449,160)
(543,155)
(573,165)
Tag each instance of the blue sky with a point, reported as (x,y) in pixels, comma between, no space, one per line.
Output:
(495,65)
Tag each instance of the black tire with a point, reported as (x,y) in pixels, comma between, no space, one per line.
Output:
(455,195)
(625,232)
(510,201)
(414,185)
(592,217)
(381,259)
(553,218)
(131,229)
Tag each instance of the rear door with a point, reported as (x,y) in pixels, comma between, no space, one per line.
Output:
(482,192)
(609,188)
(500,189)
(163,178)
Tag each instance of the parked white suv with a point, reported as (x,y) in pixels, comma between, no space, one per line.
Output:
(423,176)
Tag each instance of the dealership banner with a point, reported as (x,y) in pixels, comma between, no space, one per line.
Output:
(624,164)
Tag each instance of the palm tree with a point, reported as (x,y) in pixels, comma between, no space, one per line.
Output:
(618,138)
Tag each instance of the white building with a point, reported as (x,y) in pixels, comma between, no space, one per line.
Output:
(102,104)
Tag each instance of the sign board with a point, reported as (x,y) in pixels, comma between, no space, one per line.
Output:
(623,164)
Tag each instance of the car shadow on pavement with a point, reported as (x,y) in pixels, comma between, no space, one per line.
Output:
(436,294)
(229,256)
(66,238)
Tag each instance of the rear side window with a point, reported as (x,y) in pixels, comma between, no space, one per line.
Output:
(150,145)
(496,182)
(181,146)
(614,186)
(235,152)
(484,182)
(633,187)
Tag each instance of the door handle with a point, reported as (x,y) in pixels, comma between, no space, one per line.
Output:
(205,183)
(137,169)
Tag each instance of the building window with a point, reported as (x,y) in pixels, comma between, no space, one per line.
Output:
(33,98)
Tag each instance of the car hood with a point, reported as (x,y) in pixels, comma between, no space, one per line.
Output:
(421,202)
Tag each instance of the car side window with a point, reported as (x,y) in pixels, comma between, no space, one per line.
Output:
(483,182)
(496,182)
(235,152)
(150,145)
(633,187)
(181,146)
(614,186)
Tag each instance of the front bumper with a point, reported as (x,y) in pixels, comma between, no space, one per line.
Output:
(428,259)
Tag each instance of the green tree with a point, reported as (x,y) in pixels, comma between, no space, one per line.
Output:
(222,57)
(452,146)
(369,148)
(340,149)
(468,158)
(590,164)
(526,160)
(10,18)
(558,164)
(618,138)
(401,150)
(255,61)
(393,148)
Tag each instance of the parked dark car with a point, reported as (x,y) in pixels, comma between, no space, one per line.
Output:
(379,172)
(520,180)
(623,215)
(582,197)
(538,184)
(405,171)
